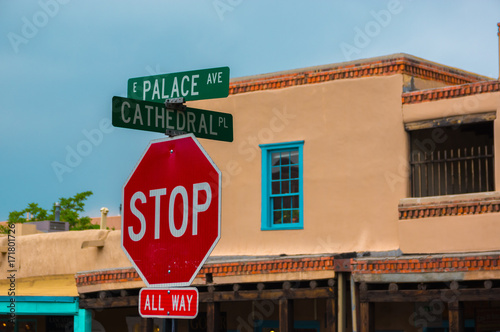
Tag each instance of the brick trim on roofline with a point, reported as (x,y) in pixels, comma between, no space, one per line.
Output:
(450,92)
(391,66)
(443,206)
(217,269)
(427,264)
(448,210)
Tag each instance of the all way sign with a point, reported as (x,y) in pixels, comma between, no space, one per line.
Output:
(152,116)
(192,85)
(168,303)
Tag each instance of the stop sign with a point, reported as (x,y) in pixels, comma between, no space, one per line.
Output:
(171,211)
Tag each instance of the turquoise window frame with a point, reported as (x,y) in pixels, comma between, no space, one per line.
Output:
(266,208)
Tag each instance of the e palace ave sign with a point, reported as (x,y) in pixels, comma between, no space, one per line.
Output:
(191,85)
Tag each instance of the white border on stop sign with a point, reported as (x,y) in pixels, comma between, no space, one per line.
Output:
(174,284)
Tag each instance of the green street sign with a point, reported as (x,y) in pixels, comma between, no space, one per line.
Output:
(151,116)
(192,85)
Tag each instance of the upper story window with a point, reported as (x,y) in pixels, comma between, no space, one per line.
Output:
(282,203)
(452,160)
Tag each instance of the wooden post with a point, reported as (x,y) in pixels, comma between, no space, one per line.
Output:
(331,315)
(354,305)
(213,317)
(341,305)
(286,315)
(456,316)
(367,317)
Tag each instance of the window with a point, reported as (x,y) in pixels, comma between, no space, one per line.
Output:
(21,325)
(452,159)
(282,204)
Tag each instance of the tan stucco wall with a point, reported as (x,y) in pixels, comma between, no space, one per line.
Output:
(470,233)
(354,138)
(478,103)
(61,254)
(51,285)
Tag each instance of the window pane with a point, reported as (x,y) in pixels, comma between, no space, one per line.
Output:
(275,187)
(285,187)
(277,203)
(295,202)
(286,217)
(287,202)
(295,216)
(275,158)
(275,173)
(277,217)
(295,186)
(285,158)
(6,326)
(285,172)
(294,172)
(294,157)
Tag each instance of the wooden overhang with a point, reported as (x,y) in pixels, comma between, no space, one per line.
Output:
(222,280)
(451,278)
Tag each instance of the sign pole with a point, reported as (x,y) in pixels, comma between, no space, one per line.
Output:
(172,170)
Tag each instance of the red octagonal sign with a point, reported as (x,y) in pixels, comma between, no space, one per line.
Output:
(171,211)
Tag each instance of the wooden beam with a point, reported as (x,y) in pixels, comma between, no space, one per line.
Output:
(456,316)
(367,317)
(331,315)
(268,294)
(213,317)
(109,302)
(285,315)
(226,296)
(445,295)
(451,120)
(393,287)
(93,243)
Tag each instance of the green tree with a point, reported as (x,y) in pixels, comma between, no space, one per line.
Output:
(71,209)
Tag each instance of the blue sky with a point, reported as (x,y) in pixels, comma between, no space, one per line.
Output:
(62,61)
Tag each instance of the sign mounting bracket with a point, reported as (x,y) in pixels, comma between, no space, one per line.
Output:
(176,104)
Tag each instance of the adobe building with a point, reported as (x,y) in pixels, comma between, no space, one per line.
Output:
(358,196)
